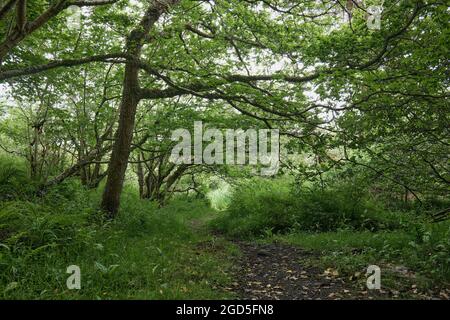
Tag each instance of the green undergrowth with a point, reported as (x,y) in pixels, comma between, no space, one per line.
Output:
(146,253)
(345,229)
(260,206)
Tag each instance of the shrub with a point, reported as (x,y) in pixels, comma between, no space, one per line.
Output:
(431,249)
(34,225)
(259,206)
(14,181)
(341,207)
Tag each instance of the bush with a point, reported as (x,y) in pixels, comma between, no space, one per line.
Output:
(14,181)
(431,249)
(343,206)
(58,217)
(257,206)
(261,206)
(33,225)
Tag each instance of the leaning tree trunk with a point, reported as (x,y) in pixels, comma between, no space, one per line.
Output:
(122,146)
(130,99)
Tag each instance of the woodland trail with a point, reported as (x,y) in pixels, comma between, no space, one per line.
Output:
(278,271)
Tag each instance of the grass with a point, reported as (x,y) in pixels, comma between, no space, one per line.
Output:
(345,229)
(406,262)
(147,253)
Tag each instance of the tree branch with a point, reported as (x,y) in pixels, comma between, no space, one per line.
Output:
(9,74)
(6,8)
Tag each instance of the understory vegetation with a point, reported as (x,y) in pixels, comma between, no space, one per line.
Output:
(159,253)
(148,253)
(350,228)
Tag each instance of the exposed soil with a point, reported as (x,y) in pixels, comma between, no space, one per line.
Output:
(277,272)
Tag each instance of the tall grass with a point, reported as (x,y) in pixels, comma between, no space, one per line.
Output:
(14,180)
(220,197)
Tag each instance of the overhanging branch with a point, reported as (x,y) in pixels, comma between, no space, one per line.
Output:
(112,57)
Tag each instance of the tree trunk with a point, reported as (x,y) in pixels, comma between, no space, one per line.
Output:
(95,177)
(130,99)
(122,146)
(140,174)
(34,154)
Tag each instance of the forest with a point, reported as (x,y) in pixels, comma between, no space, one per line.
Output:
(224,149)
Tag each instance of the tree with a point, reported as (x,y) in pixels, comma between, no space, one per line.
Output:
(295,66)
(130,99)
(217,53)
(26,19)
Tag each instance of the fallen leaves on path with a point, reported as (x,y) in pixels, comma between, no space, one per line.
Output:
(278,271)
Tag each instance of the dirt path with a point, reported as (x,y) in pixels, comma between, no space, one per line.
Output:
(278,271)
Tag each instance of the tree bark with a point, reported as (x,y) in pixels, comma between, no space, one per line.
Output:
(6,8)
(21,15)
(121,150)
(141,178)
(130,99)
(25,29)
